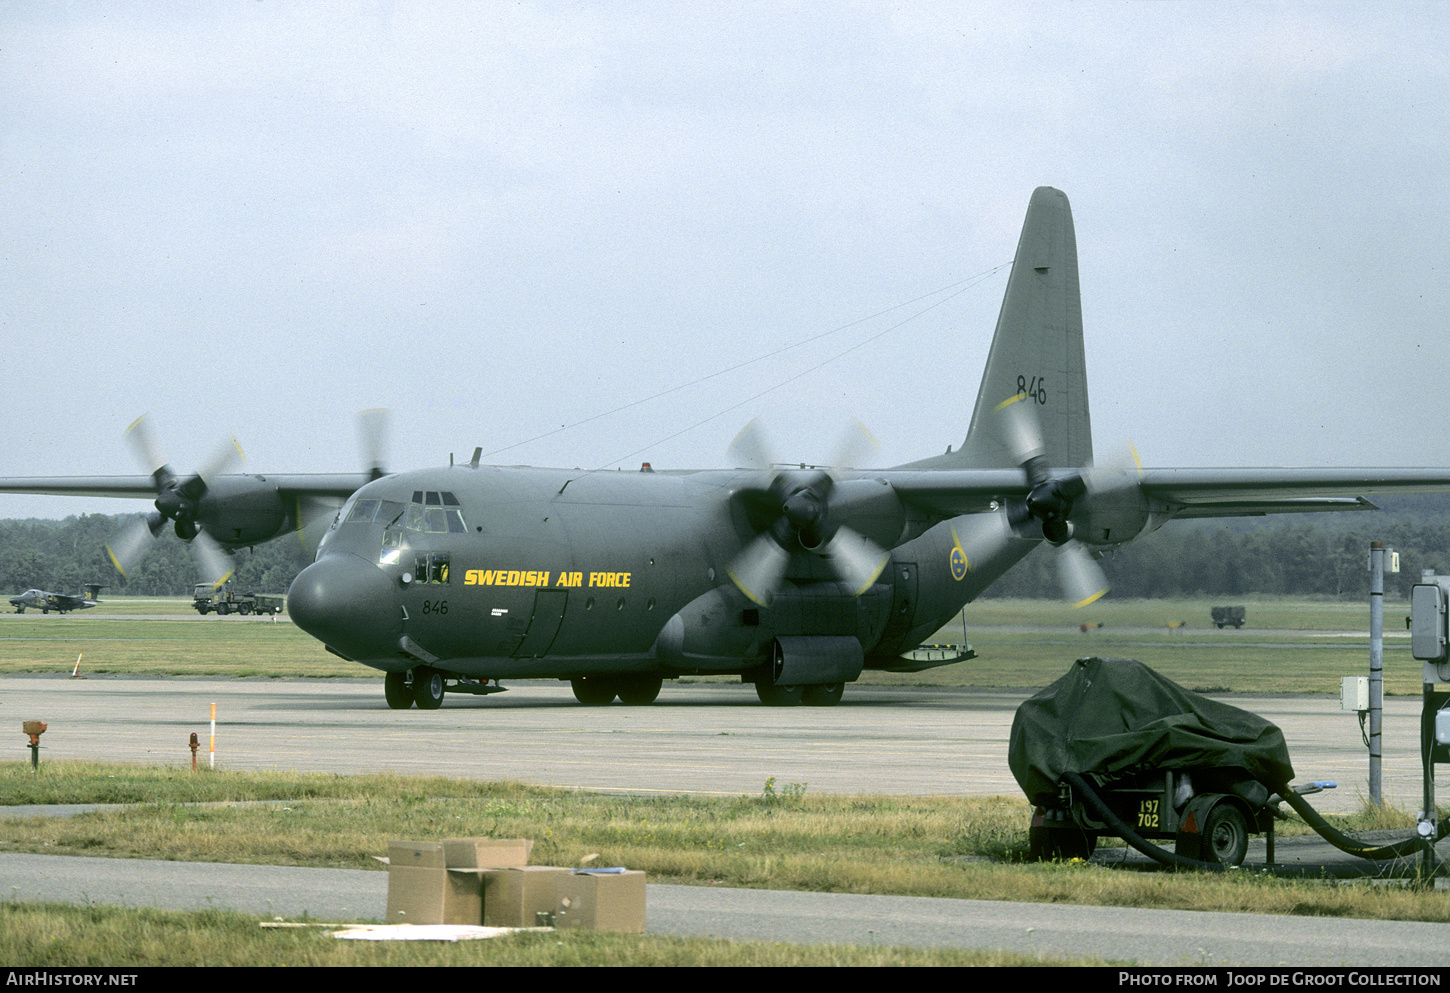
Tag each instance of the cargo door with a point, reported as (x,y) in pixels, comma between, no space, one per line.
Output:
(543,624)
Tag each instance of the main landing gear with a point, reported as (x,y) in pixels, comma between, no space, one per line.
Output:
(819,695)
(632,690)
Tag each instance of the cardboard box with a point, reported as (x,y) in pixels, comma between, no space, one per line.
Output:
(602,900)
(514,897)
(441,882)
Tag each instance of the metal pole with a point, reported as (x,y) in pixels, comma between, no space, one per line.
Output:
(1428,825)
(1376,665)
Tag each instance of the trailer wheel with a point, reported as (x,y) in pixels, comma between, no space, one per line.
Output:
(1227,836)
(1047,844)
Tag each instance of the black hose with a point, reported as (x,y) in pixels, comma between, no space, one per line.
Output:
(1327,831)
(1160,855)
(1353,846)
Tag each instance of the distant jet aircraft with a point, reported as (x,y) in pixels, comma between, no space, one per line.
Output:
(61,603)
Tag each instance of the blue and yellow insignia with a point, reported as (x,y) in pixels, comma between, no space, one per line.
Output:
(958,558)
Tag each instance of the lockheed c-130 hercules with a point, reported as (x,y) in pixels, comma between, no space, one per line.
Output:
(794,579)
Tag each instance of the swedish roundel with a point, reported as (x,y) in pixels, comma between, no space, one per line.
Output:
(958,560)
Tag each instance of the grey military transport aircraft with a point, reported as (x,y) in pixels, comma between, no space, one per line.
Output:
(794,579)
(61,603)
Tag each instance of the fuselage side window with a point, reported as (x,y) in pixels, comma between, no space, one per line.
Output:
(431,568)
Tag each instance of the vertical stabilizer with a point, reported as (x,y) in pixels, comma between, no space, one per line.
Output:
(1037,349)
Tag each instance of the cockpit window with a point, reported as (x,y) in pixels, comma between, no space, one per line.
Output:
(362,511)
(434,512)
(430,512)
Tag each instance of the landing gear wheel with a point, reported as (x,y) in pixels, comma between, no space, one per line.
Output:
(1225,836)
(639,691)
(773,695)
(593,691)
(823,695)
(427,688)
(397,691)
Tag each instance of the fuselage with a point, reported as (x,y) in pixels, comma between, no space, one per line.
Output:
(495,572)
(46,602)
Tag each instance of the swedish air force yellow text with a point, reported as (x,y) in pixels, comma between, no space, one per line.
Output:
(525,577)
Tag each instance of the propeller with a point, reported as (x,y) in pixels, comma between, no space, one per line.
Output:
(315,514)
(809,504)
(178,500)
(372,427)
(1051,500)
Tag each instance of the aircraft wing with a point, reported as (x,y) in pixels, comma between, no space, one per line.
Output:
(1182,492)
(1255,492)
(86,486)
(144,487)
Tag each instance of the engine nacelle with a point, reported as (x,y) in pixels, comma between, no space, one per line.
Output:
(244,510)
(1110,514)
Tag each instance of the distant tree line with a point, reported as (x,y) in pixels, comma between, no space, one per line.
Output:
(63,556)
(1292,555)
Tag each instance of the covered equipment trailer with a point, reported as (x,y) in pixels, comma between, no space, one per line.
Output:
(1114,745)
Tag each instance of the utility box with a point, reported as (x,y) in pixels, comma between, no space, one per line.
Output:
(1429,634)
(1354,693)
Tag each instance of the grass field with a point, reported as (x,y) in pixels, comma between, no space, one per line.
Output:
(782,837)
(37,935)
(942,846)
(1289,646)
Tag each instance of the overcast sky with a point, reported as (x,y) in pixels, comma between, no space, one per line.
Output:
(259,218)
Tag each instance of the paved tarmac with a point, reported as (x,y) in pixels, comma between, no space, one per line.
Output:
(710,739)
(699,738)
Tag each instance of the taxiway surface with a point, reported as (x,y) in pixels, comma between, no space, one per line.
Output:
(699,738)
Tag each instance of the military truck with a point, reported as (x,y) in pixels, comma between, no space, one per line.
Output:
(205,598)
(1225,616)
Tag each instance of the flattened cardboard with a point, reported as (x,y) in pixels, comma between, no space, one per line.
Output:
(601,901)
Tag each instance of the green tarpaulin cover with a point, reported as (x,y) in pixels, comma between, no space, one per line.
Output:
(1111,719)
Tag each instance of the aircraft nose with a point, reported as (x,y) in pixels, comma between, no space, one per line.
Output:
(349,604)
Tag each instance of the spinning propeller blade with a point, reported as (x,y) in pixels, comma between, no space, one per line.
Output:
(808,519)
(178,499)
(1052,499)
